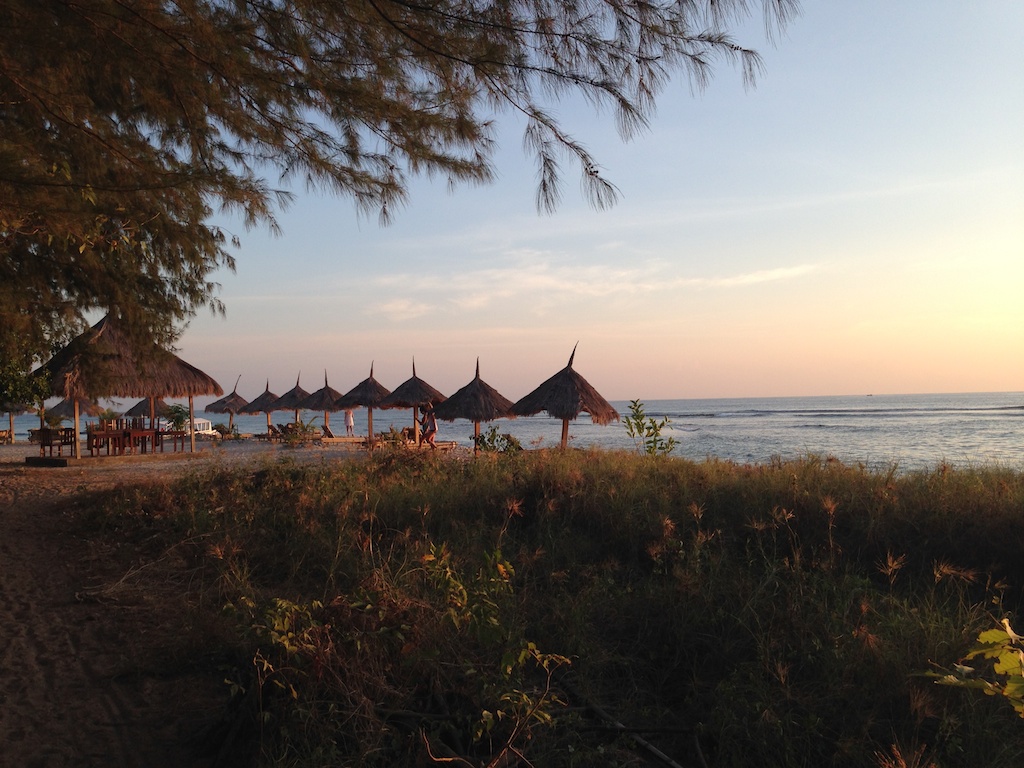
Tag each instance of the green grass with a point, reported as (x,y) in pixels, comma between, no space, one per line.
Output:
(415,608)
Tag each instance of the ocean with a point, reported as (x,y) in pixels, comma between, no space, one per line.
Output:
(879,431)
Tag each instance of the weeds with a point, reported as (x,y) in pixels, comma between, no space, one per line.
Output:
(413,609)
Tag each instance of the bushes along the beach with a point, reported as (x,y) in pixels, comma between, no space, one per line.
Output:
(412,608)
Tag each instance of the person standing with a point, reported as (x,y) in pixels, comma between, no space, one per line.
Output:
(350,422)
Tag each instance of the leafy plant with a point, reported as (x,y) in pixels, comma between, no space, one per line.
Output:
(646,431)
(493,442)
(1001,651)
(52,420)
(177,415)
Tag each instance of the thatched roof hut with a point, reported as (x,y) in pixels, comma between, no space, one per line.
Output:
(324,399)
(103,362)
(262,404)
(366,394)
(229,404)
(565,396)
(477,401)
(290,400)
(413,393)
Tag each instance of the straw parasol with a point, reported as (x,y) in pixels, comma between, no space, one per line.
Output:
(229,404)
(149,406)
(12,409)
(290,400)
(413,393)
(66,408)
(324,399)
(262,404)
(103,362)
(367,394)
(565,396)
(477,401)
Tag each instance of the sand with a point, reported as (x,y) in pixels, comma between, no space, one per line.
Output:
(91,671)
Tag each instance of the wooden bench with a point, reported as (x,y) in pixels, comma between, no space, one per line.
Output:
(55,438)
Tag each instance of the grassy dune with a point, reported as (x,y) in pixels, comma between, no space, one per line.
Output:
(594,609)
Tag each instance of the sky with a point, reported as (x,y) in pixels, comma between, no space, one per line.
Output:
(853,224)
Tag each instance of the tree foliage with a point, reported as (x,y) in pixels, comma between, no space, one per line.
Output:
(124,124)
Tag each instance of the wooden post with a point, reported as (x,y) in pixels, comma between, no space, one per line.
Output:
(77,452)
(565,433)
(192,423)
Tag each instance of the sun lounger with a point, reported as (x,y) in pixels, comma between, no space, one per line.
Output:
(348,440)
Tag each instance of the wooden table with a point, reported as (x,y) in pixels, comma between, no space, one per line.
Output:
(111,439)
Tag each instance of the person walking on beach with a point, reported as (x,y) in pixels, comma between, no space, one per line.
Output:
(350,422)
(429,423)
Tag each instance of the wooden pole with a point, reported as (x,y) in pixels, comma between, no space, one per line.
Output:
(192,423)
(77,453)
(565,433)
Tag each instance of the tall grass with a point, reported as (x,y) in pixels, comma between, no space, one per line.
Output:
(410,609)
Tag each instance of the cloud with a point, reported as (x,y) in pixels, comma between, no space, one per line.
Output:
(534,283)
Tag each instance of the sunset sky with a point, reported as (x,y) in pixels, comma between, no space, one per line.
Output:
(854,224)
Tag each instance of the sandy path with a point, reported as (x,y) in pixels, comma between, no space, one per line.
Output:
(88,676)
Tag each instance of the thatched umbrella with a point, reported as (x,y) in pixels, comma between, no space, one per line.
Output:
(413,393)
(67,407)
(367,394)
(229,404)
(149,406)
(565,396)
(290,400)
(477,401)
(324,399)
(262,404)
(104,362)
(12,409)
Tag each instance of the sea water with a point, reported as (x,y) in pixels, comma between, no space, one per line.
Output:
(878,431)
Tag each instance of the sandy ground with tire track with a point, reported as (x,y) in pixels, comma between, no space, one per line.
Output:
(87,676)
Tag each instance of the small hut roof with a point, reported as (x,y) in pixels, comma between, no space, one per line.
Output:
(477,401)
(232,403)
(412,393)
(66,408)
(324,399)
(367,393)
(262,404)
(564,396)
(103,363)
(141,408)
(290,400)
(14,408)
